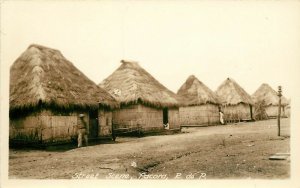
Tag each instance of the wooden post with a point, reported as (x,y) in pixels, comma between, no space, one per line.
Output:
(279,109)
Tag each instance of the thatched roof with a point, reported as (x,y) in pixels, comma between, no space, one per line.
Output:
(194,92)
(131,84)
(268,95)
(43,76)
(230,93)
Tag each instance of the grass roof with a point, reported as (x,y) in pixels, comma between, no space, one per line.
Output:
(230,93)
(44,76)
(131,84)
(194,92)
(268,95)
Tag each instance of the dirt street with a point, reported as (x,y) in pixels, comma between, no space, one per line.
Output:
(234,151)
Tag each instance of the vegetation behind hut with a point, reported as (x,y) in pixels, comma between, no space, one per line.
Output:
(260,111)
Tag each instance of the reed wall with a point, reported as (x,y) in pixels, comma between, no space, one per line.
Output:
(207,114)
(45,126)
(237,112)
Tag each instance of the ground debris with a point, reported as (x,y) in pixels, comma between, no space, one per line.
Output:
(105,168)
(247,141)
(230,155)
(280,156)
(279,138)
(275,157)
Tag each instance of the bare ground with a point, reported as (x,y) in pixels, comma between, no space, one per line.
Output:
(235,151)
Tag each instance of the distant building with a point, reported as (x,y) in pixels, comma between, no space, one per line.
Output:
(270,98)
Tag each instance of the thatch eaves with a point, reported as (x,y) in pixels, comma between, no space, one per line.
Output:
(194,92)
(230,93)
(267,94)
(43,76)
(131,84)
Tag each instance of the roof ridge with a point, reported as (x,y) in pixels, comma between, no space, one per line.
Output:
(195,92)
(236,92)
(241,91)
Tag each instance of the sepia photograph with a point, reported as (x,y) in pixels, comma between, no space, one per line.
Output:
(150,93)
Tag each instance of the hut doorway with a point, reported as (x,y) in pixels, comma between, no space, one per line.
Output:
(165,116)
(93,124)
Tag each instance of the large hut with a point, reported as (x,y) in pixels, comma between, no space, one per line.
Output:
(200,104)
(269,97)
(146,105)
(47,95)
(236,102)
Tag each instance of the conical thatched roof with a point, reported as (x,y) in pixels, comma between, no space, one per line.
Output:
(268,95)
(131,84)
(194,92)
(43,76)
(230,93)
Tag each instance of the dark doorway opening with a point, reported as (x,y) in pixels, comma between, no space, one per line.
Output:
(165,115)
(93,124)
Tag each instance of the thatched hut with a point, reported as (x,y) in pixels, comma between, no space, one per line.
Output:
(236,102)
(200,104)
(270,98)
(47,94)
(146,105)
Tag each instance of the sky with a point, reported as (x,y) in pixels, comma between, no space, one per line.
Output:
(251,42)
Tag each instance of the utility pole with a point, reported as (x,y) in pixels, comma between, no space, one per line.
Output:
(279,109)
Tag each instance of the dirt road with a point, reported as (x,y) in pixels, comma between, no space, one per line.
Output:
(230,151)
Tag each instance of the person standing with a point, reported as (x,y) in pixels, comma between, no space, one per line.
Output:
(82,131)
(221,117)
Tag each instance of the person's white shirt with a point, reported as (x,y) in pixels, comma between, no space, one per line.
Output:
(166,126)
(221,117)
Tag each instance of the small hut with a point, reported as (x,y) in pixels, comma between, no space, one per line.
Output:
(200,104)
(267,95)
(236,102)
(145,104)
(47,94)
